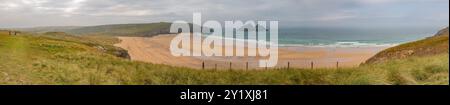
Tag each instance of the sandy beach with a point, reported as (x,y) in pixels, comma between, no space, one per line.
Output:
(156,50)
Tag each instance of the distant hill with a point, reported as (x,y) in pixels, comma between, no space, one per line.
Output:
(48,29)
(434,45)
(141,29)
(147,29)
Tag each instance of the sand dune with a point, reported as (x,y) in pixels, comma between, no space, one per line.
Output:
(156,50)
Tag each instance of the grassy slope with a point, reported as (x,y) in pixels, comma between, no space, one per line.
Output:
(430,46)
(43,60)
(102,43)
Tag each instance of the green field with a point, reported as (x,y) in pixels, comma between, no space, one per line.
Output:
(426,47)
(49,59)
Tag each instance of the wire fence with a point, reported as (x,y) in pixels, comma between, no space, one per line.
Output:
(281,65)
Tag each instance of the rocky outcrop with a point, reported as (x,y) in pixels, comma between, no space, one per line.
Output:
(118,52)
(122,54)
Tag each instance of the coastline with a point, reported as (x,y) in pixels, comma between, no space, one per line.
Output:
(156,50)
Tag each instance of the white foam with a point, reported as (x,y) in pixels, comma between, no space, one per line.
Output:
(337,44)
(343,44)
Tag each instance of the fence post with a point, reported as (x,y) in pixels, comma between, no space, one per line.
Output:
(312,65)
(203,65)
(337,64)
(246,66)
(230,65)
(266,65)
(288,66)
(215,66)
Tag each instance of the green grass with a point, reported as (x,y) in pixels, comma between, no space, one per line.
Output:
(30,59)
(101,42)
(429,46)
(439,41)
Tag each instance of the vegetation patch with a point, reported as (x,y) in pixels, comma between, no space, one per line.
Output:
(32,59)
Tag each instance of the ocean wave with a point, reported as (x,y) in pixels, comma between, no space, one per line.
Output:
(240,40)
(342,44)
(336,44)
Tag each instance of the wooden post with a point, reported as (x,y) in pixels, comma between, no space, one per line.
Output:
(312,65)
(288,66)
(203,65)
(266,65)
(246,66)
(337,64)
(230,65)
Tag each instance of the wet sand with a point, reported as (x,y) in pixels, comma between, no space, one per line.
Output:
(156,50)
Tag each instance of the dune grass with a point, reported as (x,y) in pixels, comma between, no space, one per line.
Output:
(425,47)
(441,42)
(33,60)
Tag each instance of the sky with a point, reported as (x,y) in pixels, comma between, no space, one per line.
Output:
(289,13)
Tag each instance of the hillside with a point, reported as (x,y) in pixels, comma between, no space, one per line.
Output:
(443,32)
(137,30)
(52,59)
(149,29)
(437,44)
(47,29)
(144,29)
(101,43)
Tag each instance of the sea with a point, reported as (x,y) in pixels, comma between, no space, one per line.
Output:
(347,37)
(336,37)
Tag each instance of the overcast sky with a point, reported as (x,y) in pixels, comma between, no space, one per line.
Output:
(290,13)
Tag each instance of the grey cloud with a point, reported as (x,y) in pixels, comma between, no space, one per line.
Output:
(348,13)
